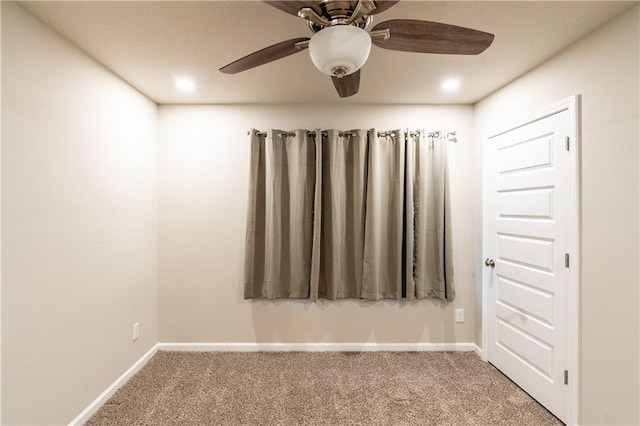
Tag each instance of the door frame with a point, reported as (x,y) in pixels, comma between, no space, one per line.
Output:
(571,104)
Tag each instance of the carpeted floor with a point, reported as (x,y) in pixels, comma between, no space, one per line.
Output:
(320,388)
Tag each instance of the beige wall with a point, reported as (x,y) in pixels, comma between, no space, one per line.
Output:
(603,68)
(203,192)
(79,220)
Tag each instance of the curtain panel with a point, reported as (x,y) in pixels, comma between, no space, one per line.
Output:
(348,215)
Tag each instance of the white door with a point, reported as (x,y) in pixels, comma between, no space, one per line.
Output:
(528,221)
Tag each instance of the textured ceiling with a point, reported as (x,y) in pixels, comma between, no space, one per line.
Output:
(148,44)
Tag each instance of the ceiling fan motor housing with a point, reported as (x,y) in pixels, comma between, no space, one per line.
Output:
(340,50)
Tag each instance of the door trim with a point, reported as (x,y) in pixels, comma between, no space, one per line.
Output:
(572,105)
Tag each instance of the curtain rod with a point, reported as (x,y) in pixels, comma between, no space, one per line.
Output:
(392,133)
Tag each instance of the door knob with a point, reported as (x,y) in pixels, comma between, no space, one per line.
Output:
(490,262)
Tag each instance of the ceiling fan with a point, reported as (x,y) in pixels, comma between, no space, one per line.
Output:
(343,36)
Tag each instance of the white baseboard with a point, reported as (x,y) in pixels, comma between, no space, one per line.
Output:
(319,347)
(267,347)
(104,396)
(478,350)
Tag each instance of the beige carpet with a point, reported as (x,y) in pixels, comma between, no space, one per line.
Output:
(320,388)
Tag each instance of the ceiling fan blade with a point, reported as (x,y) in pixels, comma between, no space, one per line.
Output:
(293,6)
(266,55)
(410,35)
(382,5)
(347,85)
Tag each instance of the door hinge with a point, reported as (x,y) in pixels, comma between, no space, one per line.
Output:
(566,260)
(567,143)
(566,377)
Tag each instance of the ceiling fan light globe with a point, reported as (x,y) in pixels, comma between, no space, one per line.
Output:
(340,47)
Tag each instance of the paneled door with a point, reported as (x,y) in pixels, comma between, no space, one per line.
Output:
(528,208)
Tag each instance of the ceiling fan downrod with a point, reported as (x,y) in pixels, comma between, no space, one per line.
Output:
(339,12)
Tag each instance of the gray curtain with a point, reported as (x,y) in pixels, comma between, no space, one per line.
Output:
(431,247)
(382,269)
(341,211)
(348,215)
(280,215)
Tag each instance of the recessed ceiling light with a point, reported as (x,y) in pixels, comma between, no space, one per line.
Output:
(185,84)
(450,85)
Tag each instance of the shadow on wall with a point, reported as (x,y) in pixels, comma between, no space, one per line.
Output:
(353,321)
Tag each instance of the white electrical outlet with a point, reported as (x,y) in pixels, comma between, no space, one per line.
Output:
(459,315)
(135,332)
